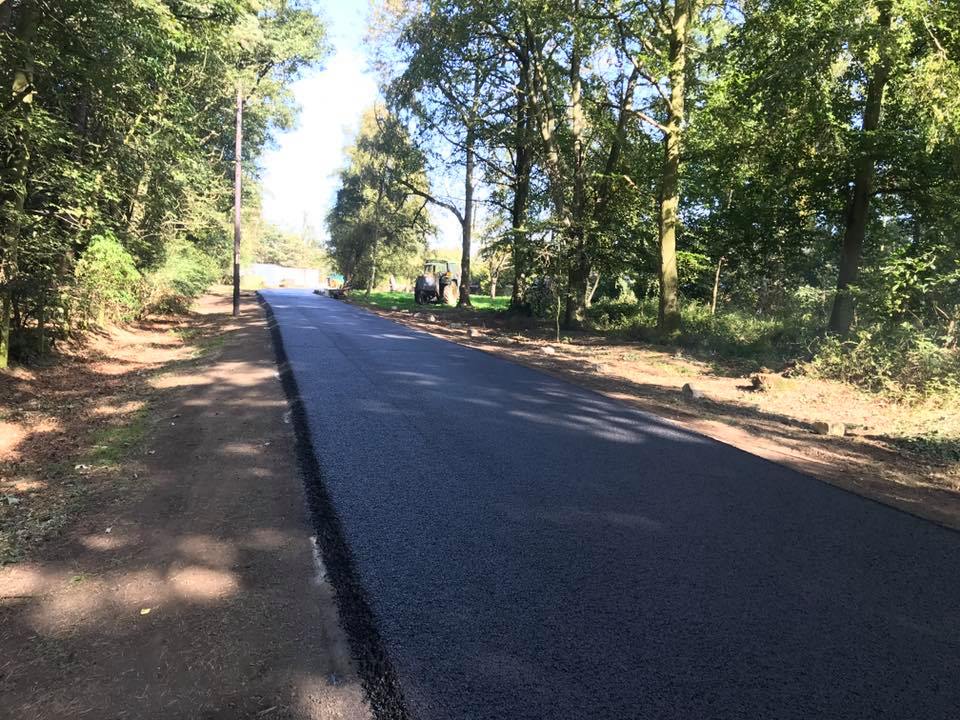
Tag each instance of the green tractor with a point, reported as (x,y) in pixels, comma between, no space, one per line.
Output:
(439,282)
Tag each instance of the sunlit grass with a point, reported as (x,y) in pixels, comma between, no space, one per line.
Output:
(404,301)
(111,445)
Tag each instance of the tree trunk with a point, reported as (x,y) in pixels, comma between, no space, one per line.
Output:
(841,317)
(467,220)
(137,209)
(42,324)
(593,290)
(237,198)
(578,275)
(22,92)
(668,319)
(521,187)
(373,270)
(578,287)
(716,288)
(376,237)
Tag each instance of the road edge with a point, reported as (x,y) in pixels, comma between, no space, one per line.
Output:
(378,677)
(830,480)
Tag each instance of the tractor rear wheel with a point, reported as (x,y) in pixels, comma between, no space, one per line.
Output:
(451,293)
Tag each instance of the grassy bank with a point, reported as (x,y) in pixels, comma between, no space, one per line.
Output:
(404,301)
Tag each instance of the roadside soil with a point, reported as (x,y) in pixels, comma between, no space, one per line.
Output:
(875,459)
(159,559)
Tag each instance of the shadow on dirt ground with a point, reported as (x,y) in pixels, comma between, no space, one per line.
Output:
(189,589)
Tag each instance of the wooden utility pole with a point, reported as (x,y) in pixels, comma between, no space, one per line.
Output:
(237,177)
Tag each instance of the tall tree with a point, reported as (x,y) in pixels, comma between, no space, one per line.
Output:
(13,190)
(378,225)
(878,74)
(656,37)
(445,87)
(583,120)
(129,133)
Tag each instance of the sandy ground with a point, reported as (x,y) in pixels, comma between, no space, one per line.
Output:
(775,425)
(183,583)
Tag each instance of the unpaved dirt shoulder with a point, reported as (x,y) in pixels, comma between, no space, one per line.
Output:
(858,464)
(197,595)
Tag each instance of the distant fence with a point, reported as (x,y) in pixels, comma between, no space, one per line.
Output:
(279,276)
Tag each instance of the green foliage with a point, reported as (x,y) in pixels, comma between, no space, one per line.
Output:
(935,446)
(897,361)
(774,145)
(107,283)
(543,298)
(129,135)
(731,334)
(288,249)
(186,272)
(377,225)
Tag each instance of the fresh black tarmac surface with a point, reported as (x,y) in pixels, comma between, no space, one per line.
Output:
(530,549)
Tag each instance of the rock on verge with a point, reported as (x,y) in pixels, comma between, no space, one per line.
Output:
(691,393)
(836,429)
(764,382)
(548,350)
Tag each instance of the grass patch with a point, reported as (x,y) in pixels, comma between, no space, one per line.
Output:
(201,340)
(111,445)
(404,301)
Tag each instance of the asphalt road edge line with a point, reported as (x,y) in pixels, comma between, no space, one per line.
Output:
(377,675)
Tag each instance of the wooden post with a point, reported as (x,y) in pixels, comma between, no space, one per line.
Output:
(237,179)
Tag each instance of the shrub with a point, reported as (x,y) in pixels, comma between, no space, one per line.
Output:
(617,315)
(185,273)
(731,333)
(899,360)
(106,283)
(542,298)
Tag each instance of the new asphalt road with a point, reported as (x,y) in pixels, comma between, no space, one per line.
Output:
(530,549)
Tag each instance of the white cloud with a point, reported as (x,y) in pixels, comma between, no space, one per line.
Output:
(299,178)
(299,175)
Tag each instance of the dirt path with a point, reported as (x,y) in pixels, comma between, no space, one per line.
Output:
(195,595)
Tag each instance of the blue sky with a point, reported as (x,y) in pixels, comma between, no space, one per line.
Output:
(299,175)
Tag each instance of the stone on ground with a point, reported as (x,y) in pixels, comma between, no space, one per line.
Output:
(691,393)
(835,429)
